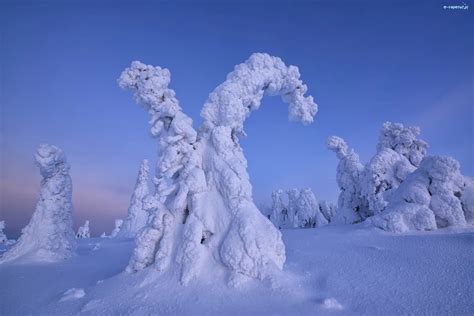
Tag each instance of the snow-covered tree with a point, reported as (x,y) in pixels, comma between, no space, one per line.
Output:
(179,175)
(429,198)
(116,230)
(204,185)
(328,210)
(307,213)
(3,237)
(49,236)
(467,199)
(83,231)
(137,214)
(279,215)
(352,207)
(302,210)
(399,153)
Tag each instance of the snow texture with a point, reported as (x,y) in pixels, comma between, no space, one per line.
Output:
(49,236)
(202,209)
(428,199)
(352,207)
(116,230)
(399,153)
(83,231)
(137,214)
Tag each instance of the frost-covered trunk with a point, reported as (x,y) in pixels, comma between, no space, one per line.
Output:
(202,210)
(137,213)
(429,198)
(83,231)
(49,236)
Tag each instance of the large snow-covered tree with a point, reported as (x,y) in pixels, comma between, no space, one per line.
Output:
(137,217)
(429,198)
(203,207)
(352,207)
(83,231)
(399,153)
(49,236)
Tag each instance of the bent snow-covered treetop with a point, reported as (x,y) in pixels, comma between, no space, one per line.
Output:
(232,101)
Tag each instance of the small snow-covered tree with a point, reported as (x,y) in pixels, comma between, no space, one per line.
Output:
(328,210)
(399,153)
(203,189)
(3,237)
(351,208)
(279,215)
(308,214)
(117,227)
(467,199)
(83,231)
(302,211)
(429,198)
(49,236)
(137,214)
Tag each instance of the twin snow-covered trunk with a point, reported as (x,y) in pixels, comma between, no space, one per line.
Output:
(202,212)
(49,236)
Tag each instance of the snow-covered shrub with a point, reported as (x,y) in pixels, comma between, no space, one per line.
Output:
(203,185)
(429,198)
(49,236)
(352,207)
(83,231)
(137,214)
(328,210)
(116,230)
(3,237)
(399,153)
(279,215)
(302,210)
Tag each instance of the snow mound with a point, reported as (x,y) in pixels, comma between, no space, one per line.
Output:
(73,294)
(331,303)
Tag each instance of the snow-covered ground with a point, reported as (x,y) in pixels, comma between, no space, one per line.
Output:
(346,269)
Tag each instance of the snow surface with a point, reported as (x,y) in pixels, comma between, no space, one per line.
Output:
(335,269)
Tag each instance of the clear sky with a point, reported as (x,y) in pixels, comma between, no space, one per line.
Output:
(364,63)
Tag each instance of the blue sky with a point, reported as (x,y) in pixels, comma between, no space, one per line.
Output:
(364,63)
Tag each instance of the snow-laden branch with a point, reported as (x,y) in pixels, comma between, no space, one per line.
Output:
(232,101)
